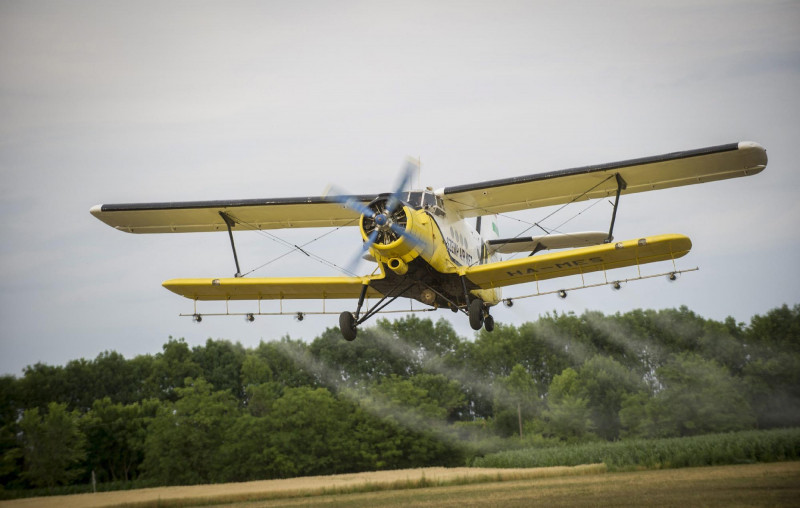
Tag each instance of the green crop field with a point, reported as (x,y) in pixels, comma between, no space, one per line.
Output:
(745,447)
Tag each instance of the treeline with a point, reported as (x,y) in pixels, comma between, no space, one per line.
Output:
(407,393)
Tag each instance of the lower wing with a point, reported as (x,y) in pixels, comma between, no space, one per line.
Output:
(577,261)
(272,288)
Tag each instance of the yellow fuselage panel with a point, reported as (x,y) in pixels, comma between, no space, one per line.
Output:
(577,261)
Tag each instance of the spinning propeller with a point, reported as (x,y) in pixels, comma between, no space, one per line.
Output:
(384,220)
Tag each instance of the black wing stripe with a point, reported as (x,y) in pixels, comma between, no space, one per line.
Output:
(233,203)
(593,169)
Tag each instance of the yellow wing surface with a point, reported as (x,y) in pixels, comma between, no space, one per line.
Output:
(484,198)
(202,216)
(576,261)
(274,288)
(493,275)
(591,182)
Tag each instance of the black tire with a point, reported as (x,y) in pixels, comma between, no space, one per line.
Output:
(347,324)
(476,314)
(488,323)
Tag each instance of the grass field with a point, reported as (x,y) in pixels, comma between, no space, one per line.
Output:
(773,484)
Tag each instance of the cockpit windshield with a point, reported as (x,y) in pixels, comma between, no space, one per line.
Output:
(420,199)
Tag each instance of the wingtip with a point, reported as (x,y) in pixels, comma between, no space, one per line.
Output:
(756,155)
(750,144)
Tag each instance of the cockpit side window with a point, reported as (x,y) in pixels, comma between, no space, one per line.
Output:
(415,200)
(428,200)
(436,203)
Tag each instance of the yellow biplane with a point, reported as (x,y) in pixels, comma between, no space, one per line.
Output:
(423,244)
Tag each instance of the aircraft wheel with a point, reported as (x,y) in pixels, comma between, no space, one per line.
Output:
(476,314)
(347,323)
(488,323)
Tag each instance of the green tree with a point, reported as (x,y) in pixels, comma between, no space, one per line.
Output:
(116,435)
(656,335)
(604,383)
(278,360)
(52,446)
(698,396)
(10,454)
(183,440)
(444,392)
(516,400)
(255,370)
(312,433)
(221,364)
(427,341)
(398,396)
(538,349)
(170,368)
(40,385)
(368,359)
(259,399)
(117,378)
(568,416)
(724,343)
(772,373)
(778,330)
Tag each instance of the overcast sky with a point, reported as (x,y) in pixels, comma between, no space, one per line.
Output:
(109,102)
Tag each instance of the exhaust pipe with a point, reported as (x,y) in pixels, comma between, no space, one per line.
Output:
(398,266)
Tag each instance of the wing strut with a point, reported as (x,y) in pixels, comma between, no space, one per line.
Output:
(230,223)
(621,186)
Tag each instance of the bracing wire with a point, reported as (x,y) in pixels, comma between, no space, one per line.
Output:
(538,223)
(293,247)
(301,248)
(576,198)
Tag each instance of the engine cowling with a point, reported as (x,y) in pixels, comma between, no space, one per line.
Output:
(395,232)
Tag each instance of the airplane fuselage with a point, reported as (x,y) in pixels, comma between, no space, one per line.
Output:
(427,262)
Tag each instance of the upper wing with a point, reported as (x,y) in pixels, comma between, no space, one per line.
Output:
(590,182)
(198,216)
(272,288)
(584,260)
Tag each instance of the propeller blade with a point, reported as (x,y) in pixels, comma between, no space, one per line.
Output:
(405,176)
(391,206)
(351,267)
(417,241)
(334,194)
(359,207)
